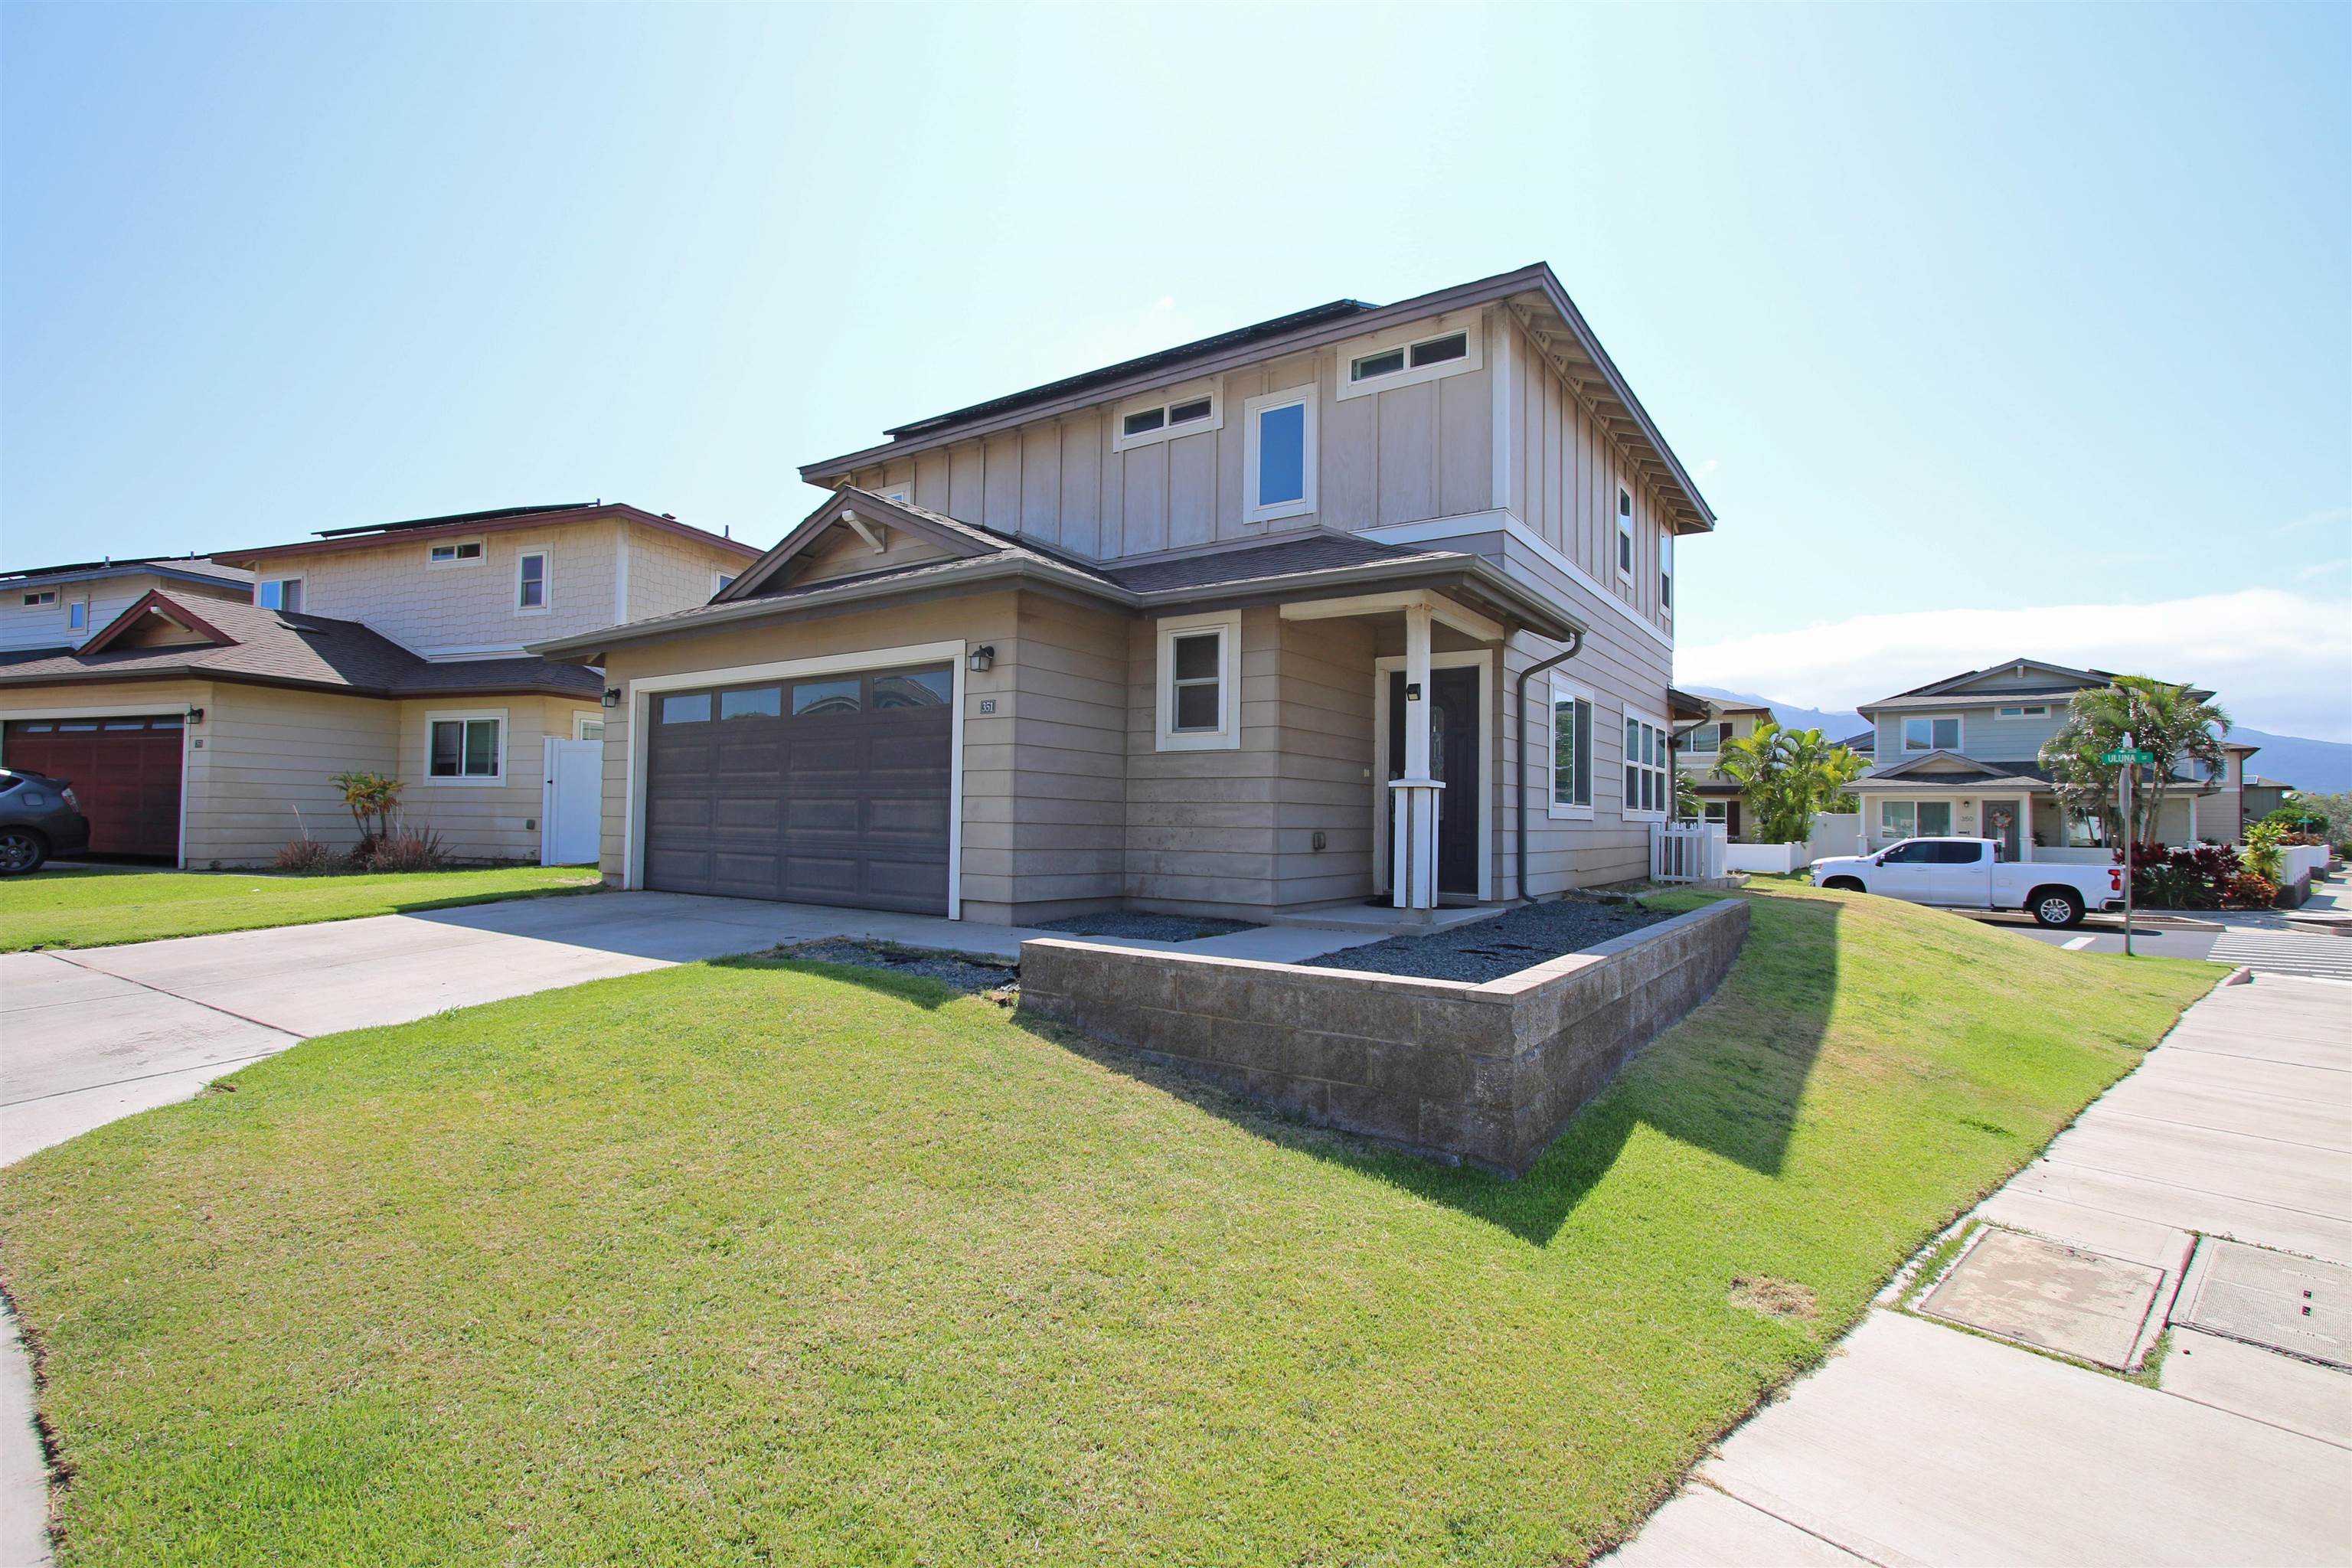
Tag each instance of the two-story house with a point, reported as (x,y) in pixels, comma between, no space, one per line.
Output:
(1962,755)
(1699,755)
(65,606)
(201,721)
(1363,599)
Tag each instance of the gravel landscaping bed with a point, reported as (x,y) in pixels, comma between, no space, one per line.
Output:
(958,971)
(1490,949)
(1137,927)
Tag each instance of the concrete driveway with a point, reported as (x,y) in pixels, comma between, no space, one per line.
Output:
(100,1033)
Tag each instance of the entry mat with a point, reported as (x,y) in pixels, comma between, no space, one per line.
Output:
(2045,1293)
(2271,1299)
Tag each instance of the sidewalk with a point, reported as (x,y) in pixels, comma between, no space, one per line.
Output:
(1922,1443)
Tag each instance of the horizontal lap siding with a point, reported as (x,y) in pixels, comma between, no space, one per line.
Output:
(477,820)
(1060,835)
(1201,825)
(1325,785)
(261,777)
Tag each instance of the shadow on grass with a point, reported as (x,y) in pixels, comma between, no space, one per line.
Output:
(1730,1078)
(898,985)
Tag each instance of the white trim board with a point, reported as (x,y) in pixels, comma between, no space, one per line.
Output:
(1489,753)
(637,692)
(1438,528)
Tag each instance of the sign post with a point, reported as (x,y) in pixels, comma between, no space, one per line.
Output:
(2130,757)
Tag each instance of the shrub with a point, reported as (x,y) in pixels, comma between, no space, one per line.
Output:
(2248,892)
(2263,858)
(306,856)
(2195,877)
(404,849)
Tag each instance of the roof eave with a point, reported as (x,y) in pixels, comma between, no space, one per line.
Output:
(618,512)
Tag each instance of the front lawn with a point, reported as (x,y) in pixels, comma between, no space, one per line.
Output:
(760,1262)
(101,906)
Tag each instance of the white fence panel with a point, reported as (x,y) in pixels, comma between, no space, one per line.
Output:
(1771,858)
(2301,860)
(1686,852)
(1834,832)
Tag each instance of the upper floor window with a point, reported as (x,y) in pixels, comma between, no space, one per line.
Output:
(1624,534)
(1278,454)
(1199,666)
(903,492)
(77,616)
(530,579)
(279,593)
(2027,710)
(1932,734)
(40,598)
(1401,356)
(468,553)
(720,580)
(1705,740)
(1165,415)
(1666,572)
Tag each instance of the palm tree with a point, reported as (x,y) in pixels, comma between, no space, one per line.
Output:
(2163,720)
(1786,776)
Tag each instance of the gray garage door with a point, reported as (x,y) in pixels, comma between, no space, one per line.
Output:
(827,790)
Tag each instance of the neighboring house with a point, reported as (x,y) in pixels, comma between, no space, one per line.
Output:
(203,729)
(1700,753)
(2257,796)
(64,607)
(1963,756)
(1212,630)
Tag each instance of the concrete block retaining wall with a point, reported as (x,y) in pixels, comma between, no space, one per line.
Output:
(1485,1073)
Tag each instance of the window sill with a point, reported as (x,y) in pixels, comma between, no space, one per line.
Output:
(1558,813)
(1198,741)
(477,780)
(1642,815)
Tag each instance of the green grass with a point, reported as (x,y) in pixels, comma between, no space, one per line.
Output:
(99,906)
(759,1261)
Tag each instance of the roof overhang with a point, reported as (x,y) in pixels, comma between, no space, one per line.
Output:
(343,541)
(229,577)
(116,675)
(1532,294)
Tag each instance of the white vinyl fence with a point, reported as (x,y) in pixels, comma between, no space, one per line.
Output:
(1774,858)
(1686,851)
(2301,860)
(1834,832)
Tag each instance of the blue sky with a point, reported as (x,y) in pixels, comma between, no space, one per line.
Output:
(1987,330)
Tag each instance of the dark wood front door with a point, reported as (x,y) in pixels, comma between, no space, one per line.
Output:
(1453,754)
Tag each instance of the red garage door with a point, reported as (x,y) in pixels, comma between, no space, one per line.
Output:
(125,771)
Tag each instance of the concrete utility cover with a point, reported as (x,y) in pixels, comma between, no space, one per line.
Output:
(2041,1293)
(2292,1304)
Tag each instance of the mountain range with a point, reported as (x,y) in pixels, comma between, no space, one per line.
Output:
(2324,766)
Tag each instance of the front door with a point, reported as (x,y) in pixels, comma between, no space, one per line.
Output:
(1453,753)
(2001,827)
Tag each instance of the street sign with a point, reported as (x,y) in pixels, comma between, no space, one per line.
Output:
(2128,757)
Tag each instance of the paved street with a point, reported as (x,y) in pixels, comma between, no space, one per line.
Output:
(1922,1443)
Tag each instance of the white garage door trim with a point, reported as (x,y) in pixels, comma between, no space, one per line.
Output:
(640,691)
(146,710)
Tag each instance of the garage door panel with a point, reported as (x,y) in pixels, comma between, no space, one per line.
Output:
(125,770)
(843,803)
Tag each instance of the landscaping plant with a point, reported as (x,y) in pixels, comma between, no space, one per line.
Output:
(403,848)
(2195,876)
(306,856)
(2163,720)
(374,801)
(1786,777)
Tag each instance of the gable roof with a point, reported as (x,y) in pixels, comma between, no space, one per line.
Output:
(248,643)
(1533,294)
(2066,682)
(184,568)
(469,525)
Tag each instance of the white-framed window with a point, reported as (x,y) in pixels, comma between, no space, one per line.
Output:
(279,593)
(1932,732)
(1571,751)
(458,553)
(1666,573)
(40,598)
(1624,534)
(2027,710)
(1165,415)
(467,746)
(587,727)
(77,616)
(1705,740)
(903,492)
(1278,454)
(1647,790)
(1914,819)
(1716,811)
(720,580)
(1401,356)
(531,582)
(1199,672)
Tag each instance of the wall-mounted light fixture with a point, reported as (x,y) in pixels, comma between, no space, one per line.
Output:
(195,715)
(612,696)
(984,658)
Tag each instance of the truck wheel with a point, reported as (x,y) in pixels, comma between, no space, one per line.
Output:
(2056,907)
(1845,884)
(21,850)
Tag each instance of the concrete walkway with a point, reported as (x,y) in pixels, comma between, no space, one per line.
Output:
(1919,1443)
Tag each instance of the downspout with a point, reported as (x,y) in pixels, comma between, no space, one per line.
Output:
(1575,641)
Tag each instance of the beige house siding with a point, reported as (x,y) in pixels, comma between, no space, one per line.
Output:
(1325,706)
(45,626)
(1201,825)
(1399,456)
(479,820)
(667,572)
(1060,838)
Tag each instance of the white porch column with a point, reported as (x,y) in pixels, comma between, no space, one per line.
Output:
(1413,833)
(2192,821)
(2024,828)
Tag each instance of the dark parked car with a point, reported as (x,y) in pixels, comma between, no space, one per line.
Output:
(39,817)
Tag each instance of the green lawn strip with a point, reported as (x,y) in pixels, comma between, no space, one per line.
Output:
(103,906)
(766,1261)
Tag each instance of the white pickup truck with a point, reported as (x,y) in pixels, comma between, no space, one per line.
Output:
(1969,874)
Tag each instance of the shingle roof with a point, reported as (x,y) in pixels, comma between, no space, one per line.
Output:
(195,566)
(1263,563)
(275,648)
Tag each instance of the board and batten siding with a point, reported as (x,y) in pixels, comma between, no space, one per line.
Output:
(1398,456)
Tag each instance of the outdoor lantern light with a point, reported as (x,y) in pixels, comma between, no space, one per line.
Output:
(984,658)
(612,696)
(195,715)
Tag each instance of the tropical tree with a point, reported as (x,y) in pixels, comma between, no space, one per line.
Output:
(1688,804)
(1786,777)
(2165,720)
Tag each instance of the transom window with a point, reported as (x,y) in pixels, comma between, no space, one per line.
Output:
(1932,734)
(1571,752)
(841,696)
(1166,414)
(1197,669)
(1624,534)
(1406,355)
(465,553)
(1410,357)
(465,748)
(1646,790)
(40,596)
(530,579)
(2027,710)
(279,593)
(1278,454)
